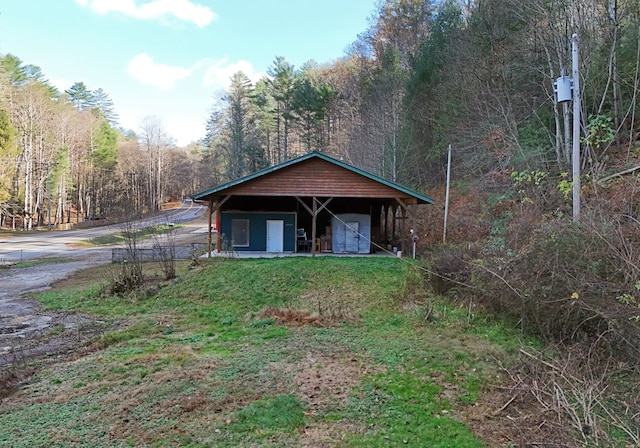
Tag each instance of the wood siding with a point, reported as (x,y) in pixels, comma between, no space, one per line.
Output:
(315,177)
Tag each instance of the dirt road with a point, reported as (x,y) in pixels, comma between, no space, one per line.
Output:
(21,317)
(27,331)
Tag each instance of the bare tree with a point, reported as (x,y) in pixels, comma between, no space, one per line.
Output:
(154,141)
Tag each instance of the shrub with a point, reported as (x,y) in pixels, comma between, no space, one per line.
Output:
(569,283)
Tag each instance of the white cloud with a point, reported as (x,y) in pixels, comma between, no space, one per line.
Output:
(219,73)
(185,126)
(186,129)
(144,69)
(61,84)
(184,106)
(184,10)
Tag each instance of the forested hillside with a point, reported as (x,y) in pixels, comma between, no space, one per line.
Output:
(425,75)
(64,159)
(476,76)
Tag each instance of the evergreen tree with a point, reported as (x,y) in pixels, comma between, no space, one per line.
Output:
(234,129)
(238,119)
(102,102)
(8,152)
(310,102)
(12,65)
(264,106)
(106,147)
(81,97)
(282,82)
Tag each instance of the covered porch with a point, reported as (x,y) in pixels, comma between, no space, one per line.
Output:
(312,204)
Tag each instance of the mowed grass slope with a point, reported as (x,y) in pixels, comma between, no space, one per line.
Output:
(316,352)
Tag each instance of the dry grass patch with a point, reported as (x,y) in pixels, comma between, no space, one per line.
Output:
(169,398)
(325,380)
(333,305)
(325,434)
(506,417)
(291,317)
(84,278)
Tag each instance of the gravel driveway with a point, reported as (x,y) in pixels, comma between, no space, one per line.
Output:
(25,328)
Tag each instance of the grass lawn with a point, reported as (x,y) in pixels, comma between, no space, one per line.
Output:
(35,262)
(123,237)
(316,352)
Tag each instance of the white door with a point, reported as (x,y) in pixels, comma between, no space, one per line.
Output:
(352,236)
(275,235)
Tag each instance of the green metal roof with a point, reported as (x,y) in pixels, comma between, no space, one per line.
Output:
(311,155)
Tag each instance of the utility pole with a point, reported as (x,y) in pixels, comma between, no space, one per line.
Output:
(567,89)
(575,157)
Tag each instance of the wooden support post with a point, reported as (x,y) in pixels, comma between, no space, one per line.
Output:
(385,230)
(314,211)
(314,215)
(214,210)
(210,209)
(414,216)
(218,235)
(403,230)
(413,211)
(394,222)
(405,212)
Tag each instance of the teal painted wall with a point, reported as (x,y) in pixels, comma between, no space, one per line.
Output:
(258,229)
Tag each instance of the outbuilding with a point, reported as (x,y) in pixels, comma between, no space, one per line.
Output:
(313,203)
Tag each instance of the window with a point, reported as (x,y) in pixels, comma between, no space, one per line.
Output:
(240,232)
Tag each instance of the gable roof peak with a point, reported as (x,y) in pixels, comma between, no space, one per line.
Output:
(305,157)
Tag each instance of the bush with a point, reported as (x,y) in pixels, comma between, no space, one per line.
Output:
(569,283)
(126,280)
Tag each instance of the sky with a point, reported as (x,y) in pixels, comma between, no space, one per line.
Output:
(172,59)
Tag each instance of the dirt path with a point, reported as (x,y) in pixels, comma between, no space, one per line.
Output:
(28,332)
(25,329)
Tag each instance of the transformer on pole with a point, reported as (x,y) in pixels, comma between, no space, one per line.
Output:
(567,89)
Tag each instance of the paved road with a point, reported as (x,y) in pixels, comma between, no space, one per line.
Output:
(52,244)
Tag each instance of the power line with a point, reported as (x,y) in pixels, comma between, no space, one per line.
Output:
(408,261)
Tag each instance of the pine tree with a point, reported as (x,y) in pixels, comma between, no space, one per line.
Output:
(282,82)
(81,97)
(104,104)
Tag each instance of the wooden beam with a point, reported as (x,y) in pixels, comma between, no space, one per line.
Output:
(403,229)
(304,205)
(401,203)
(223,200)
(218,235)
(322,205)
(314,210)
(386,223)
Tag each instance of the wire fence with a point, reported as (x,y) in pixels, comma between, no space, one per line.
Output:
(158,253)
(119,255)
(13,257)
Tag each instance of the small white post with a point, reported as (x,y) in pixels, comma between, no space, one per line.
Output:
(446,199)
